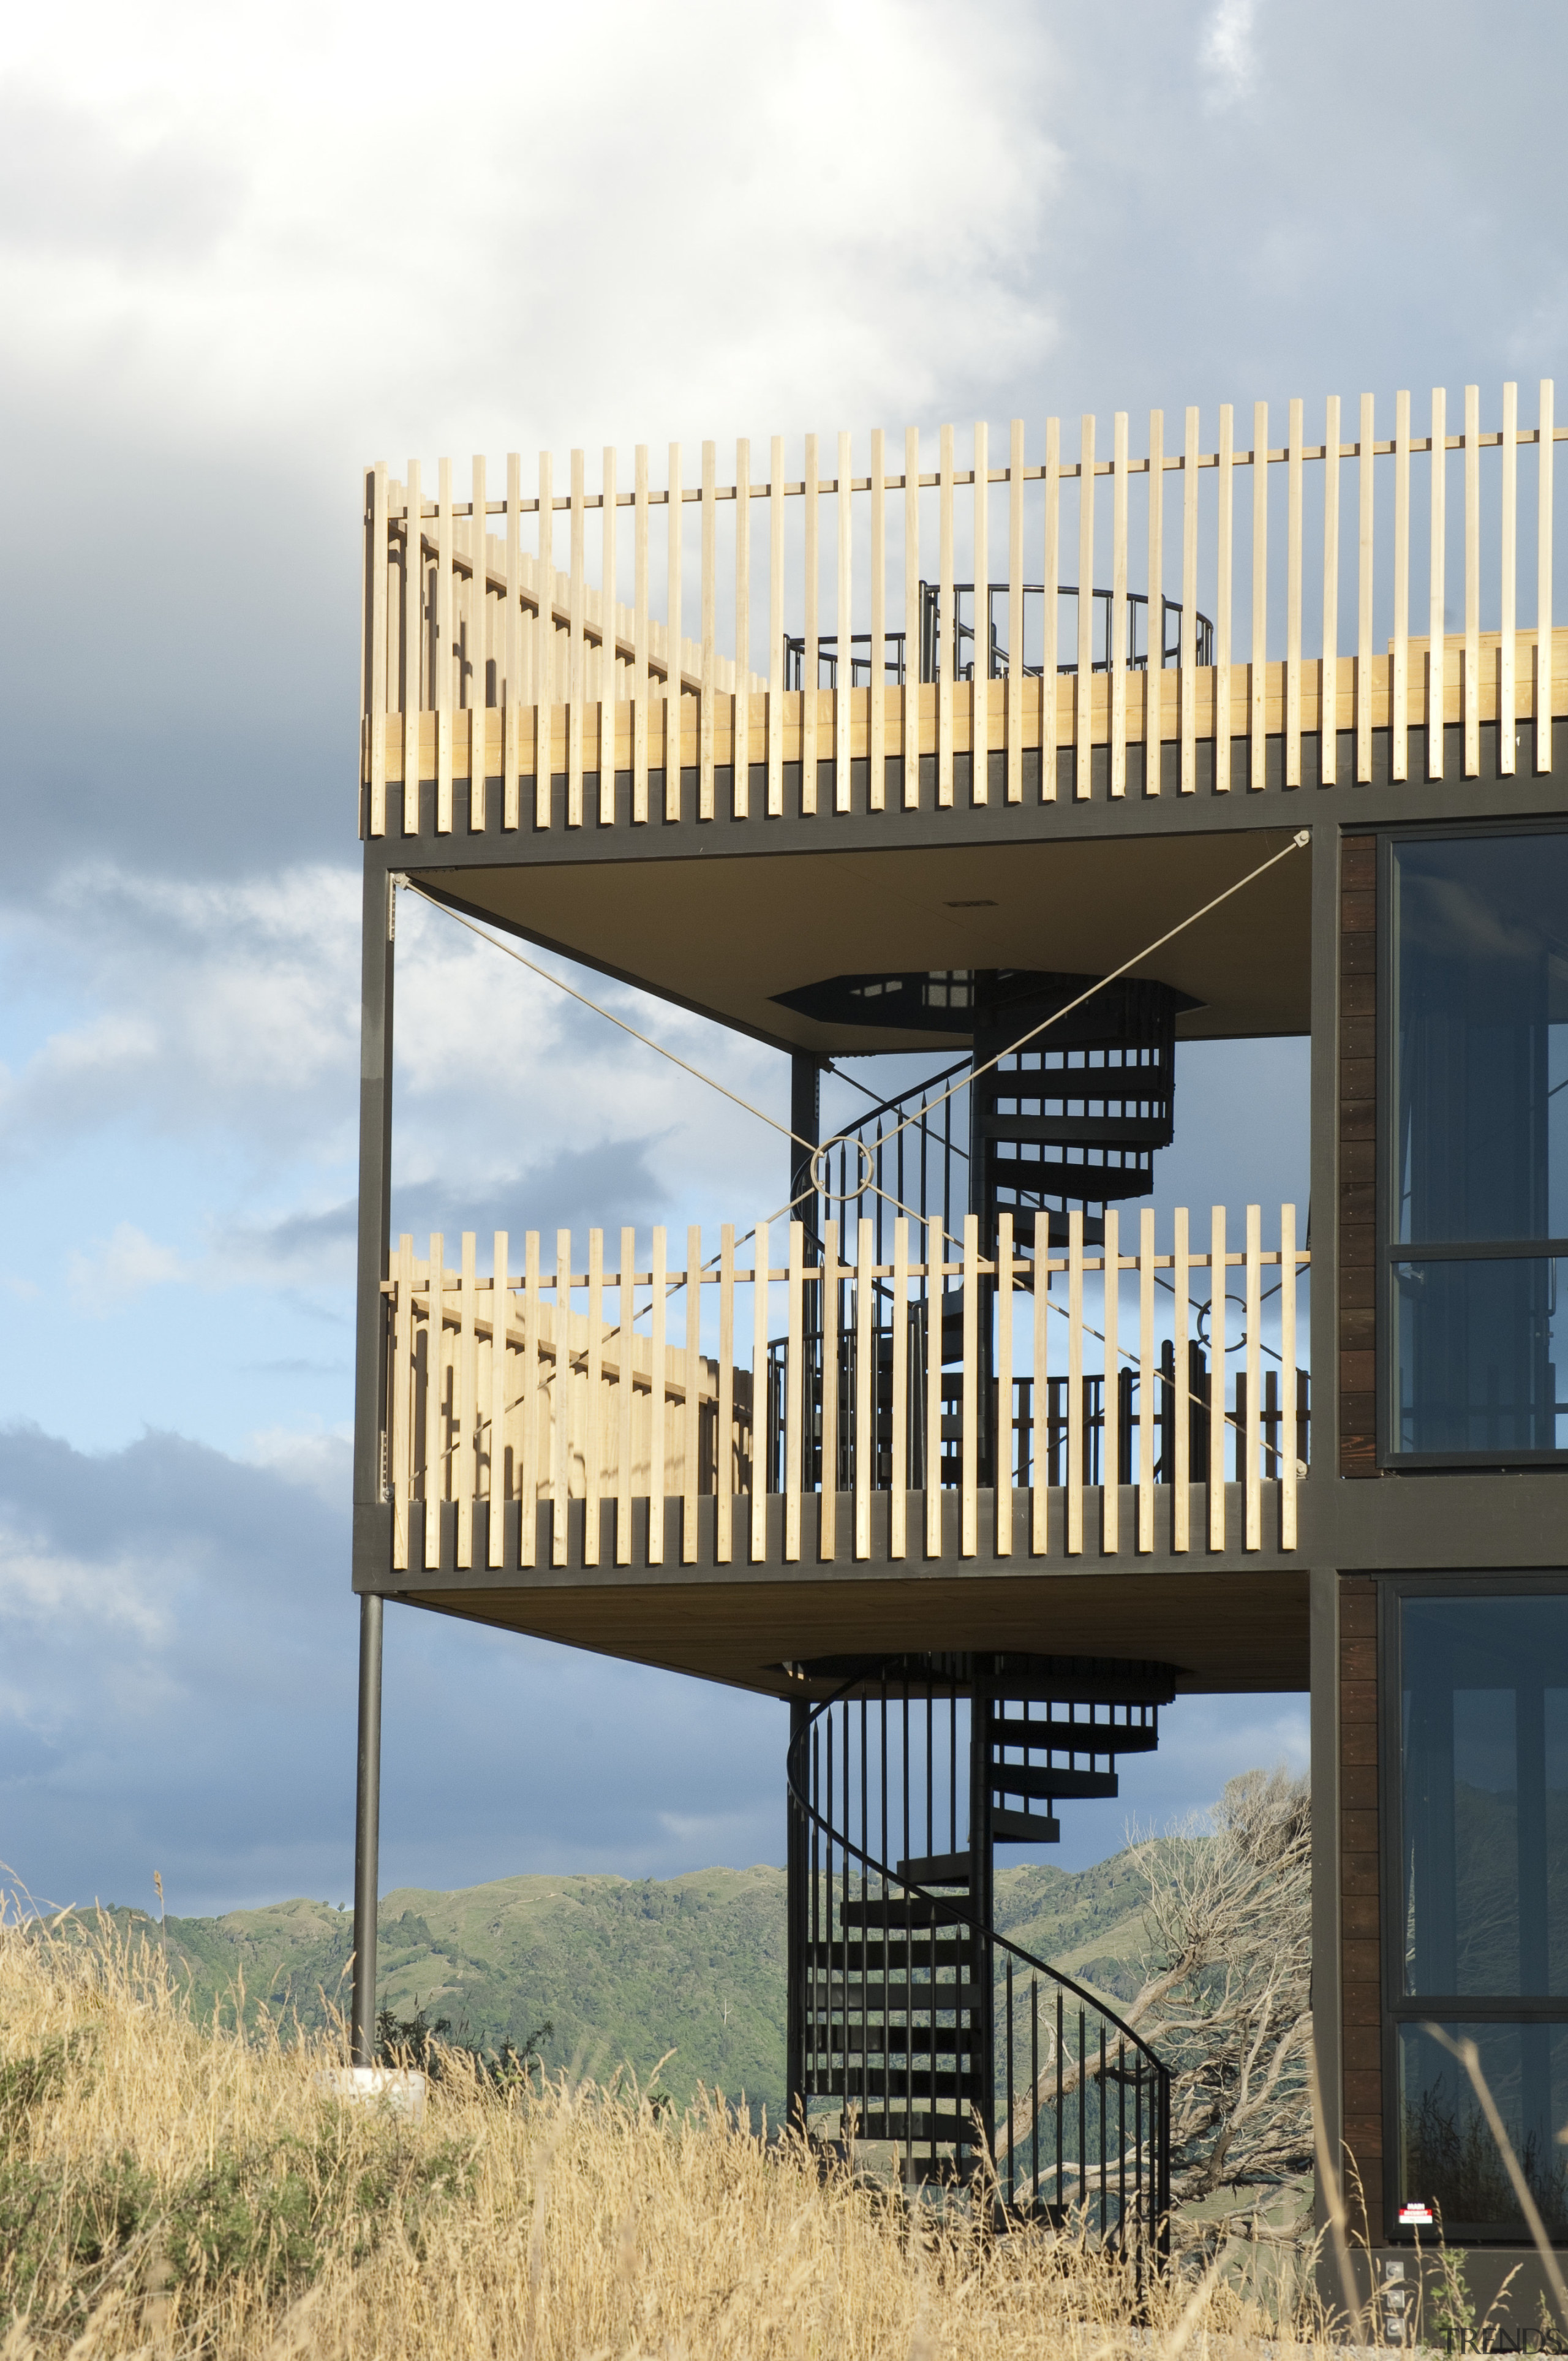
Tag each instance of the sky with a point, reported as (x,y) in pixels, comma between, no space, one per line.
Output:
(241,253)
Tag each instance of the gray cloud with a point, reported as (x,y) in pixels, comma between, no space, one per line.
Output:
(179,1695)
(76,183)
(309,1246)
(603,1187)
(228,566)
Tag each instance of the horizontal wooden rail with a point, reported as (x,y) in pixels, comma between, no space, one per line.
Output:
(485,660)
(545,1386)
(1172,463)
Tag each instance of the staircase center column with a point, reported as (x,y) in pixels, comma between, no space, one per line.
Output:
(982,1202)
(805,1122)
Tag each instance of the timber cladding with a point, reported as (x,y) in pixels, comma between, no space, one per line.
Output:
(1358,1158)
(1360,1949)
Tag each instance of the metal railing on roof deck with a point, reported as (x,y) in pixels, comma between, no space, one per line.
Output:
(487,660)
(563,1391)
(1136,654)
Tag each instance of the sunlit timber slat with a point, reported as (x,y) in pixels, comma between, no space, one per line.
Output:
(1189,606)
(1118,740)
(1224,504)
(1328,679)
(1437,548)
(1545,704)
(532,1402)
(980,664)
(1083,665)
(843,611)
(1258,651)
(474,651)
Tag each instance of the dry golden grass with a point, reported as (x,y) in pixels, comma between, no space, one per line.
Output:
(167,2188)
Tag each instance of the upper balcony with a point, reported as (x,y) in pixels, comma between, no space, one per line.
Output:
(1051,784)
(529,697)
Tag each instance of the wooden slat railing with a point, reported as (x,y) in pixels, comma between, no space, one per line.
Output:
(483,657)
(563,1384)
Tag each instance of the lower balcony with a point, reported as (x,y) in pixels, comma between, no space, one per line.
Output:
(1029,1405)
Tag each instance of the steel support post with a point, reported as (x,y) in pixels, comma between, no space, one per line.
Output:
(797,1857)
(366,1832)
(370,1394)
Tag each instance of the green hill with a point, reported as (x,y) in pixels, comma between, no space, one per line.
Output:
(624,1969)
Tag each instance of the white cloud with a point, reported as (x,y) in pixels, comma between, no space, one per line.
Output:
(112,1274)
(40,1584)
(1229,55)
(85,187)
(209,1006)
(321,1458)
(229,1013)
(465,1012)
(235,205)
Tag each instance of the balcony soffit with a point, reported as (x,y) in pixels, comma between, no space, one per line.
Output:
(727,935)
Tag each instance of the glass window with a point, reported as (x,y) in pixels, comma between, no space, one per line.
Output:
(1483,1902)
(1478,1356)
(1485,1781)
(1447,2154)
(1480,1153)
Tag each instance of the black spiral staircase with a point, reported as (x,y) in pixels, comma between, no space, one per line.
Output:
(1072,1117)
(915,2027)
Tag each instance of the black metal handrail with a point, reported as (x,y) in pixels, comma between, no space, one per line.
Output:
(997,594)
(1118,2171)
(1040,1422)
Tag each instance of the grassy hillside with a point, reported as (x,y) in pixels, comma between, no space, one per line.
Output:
(624,1969)
(167,2191)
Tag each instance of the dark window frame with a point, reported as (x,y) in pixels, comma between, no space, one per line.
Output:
(1400,2008)
(1390,1250)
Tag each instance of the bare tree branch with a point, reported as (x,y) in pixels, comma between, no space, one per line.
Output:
(1225,1998)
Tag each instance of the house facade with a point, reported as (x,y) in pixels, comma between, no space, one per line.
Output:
(1036,767)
